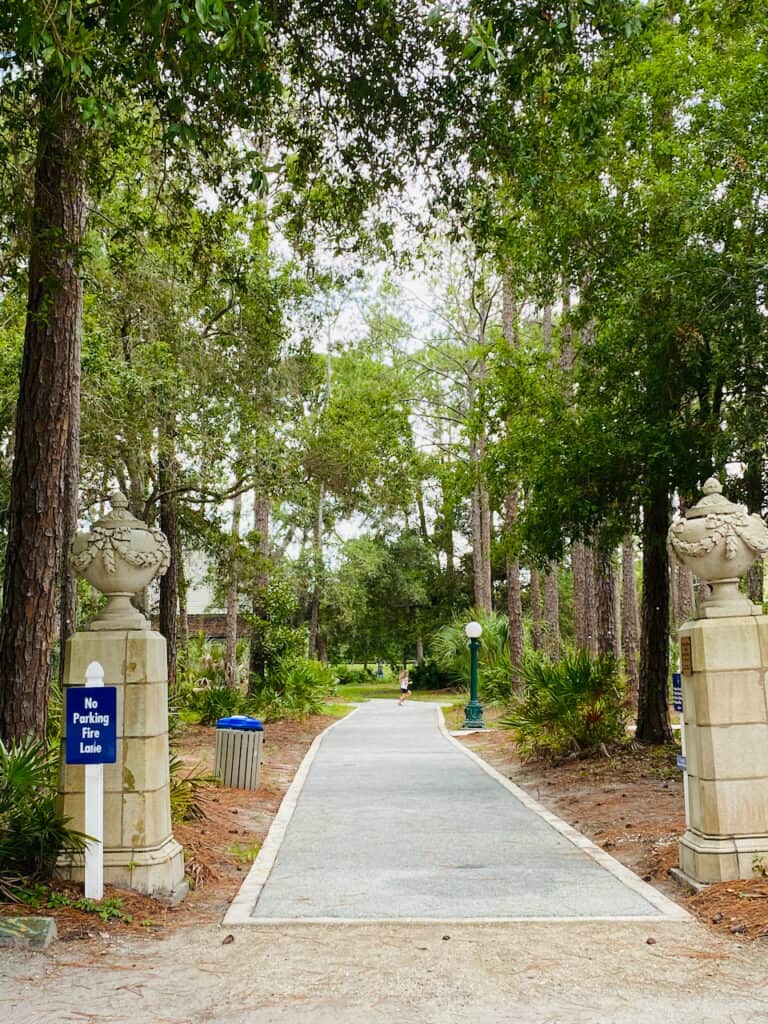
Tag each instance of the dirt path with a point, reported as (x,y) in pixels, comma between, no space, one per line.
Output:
(530,973)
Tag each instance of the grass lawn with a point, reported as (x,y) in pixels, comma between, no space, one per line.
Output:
(389,691)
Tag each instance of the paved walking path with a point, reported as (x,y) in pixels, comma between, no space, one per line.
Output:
(391,819)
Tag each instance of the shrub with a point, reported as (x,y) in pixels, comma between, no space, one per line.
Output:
(300,690)
(348,675)
(429,676)
(575,704)
(215,702)
(33,831)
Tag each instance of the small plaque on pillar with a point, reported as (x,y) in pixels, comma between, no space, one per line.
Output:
(686,659)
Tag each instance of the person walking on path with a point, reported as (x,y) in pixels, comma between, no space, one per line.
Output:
(404,687)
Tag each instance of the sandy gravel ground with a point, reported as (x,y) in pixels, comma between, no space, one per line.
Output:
(527,973)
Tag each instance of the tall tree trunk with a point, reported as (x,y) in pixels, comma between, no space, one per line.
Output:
(753,481)
(630,628)
(166,478)
(313,650)
(682,590)
(480,525)
(423,531)
(46,416)
(486,528)
(68,598)
(509,312)
(230,655)
(551,593)
(608,640)
(419,649)
(536,612)
(514,596)
(590,597)
(258,662)
(181,579)
(683,593)
(652,709)
(584,613)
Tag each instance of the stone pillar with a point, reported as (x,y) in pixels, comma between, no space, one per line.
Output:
(120,556)
(724,663)
(725,672)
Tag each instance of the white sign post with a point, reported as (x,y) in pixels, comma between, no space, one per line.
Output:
(94,809)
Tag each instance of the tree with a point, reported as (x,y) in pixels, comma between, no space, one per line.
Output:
(198,72)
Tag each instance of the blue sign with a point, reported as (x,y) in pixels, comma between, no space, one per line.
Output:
(677,691)
(682,762)
(90,725)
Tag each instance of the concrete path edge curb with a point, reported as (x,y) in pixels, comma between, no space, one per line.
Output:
(241,908)
(666,906)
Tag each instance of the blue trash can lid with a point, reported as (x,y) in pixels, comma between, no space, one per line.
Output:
(240,722)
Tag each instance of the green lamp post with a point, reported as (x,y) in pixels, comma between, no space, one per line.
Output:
(473,713)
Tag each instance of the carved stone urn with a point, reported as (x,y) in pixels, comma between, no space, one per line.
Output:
(718,541)
(119,557)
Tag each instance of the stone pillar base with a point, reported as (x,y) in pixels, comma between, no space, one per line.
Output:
(157,872)
(139,849)
(721,859)
(725,671)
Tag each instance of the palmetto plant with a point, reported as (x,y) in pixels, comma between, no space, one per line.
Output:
(187,783)
(300,689)
(575,704)
(33,831)
(450,649)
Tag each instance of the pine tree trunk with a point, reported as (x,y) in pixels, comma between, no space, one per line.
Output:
(230,651)
(423,531)
(630,629)
(47,414)
(684,593)
(476,530)
(608,640)
(514,596)
(317,563)
(753,481)
(652,709)
(68,588)
(480,526)
(258,662)
(536,613)
(168,583)
(486,528)
(419,650)
(590,598)
(584,598)
(181,577)
(551,590)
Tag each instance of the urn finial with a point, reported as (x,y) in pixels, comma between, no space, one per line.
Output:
(718,541)
(120,556)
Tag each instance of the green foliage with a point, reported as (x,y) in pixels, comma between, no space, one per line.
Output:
(575,704)
(214,702)
(33,831)
(109,909)
(429,676)
(450,649)
(279,638)
(186,785)
(384,594)
(299,689)
(244,854)
(349,675)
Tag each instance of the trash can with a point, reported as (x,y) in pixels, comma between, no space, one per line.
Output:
(238,751)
